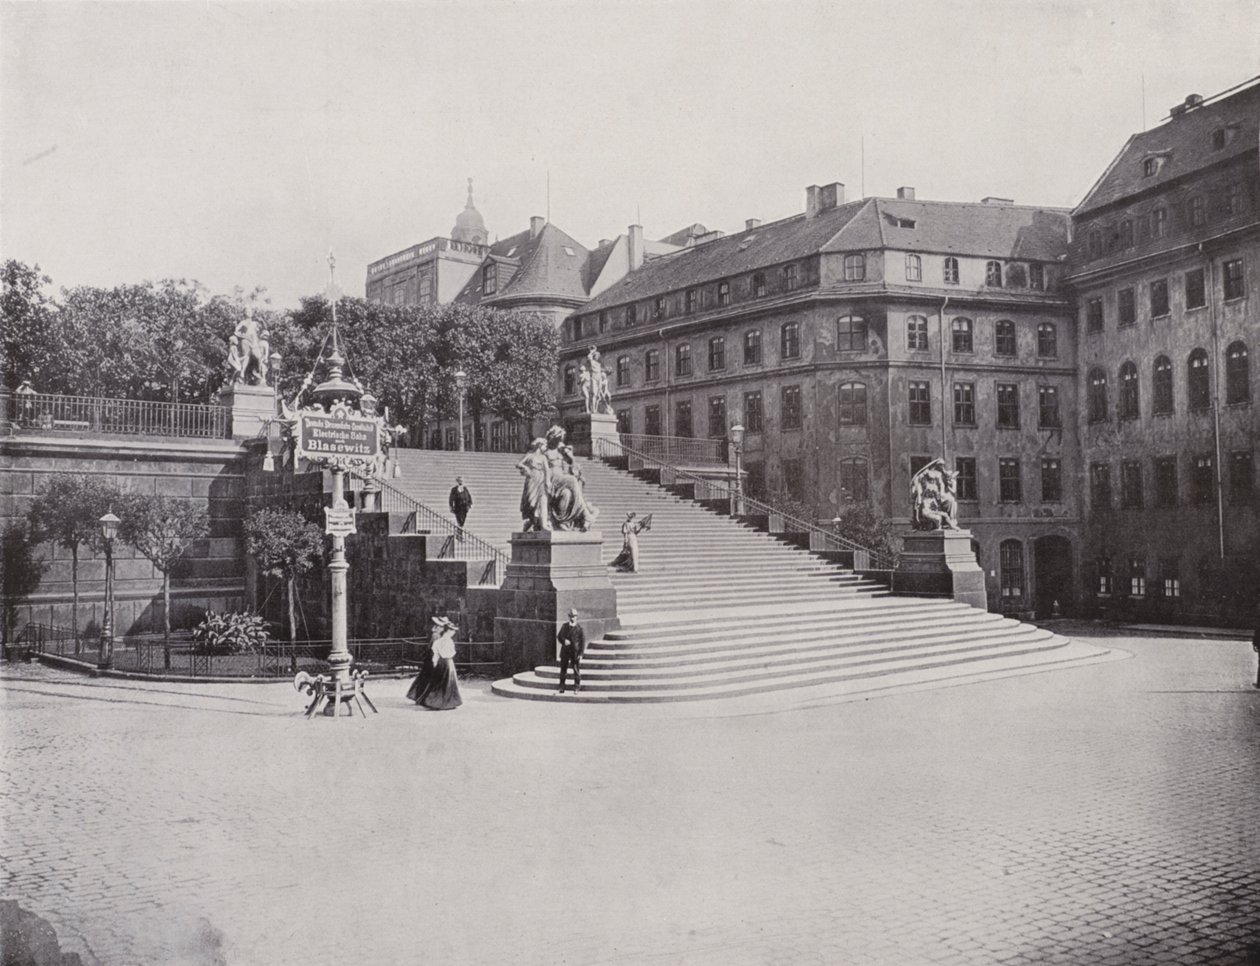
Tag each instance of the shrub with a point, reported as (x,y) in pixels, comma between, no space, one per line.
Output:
(230,633)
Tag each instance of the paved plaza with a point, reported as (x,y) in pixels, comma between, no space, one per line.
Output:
(1101,814)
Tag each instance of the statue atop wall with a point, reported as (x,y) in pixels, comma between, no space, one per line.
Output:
(933,498)
(593,380)
(553,496)
(248,351)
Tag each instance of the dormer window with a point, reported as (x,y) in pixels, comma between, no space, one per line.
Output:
(569,251)
(993,274)
(758,285)
(490,279)
(1150,167)
(904,222)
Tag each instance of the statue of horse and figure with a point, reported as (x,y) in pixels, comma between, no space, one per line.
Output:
(934,498)
(248,352)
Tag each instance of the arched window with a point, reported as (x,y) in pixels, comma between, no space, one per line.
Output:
(1128,407)
(1197,385)
(851,334)
(852,408)
(962,335)
(1004,337)
(1162,385)
(1097,395)
(1237,374)
(1011,557)
(917,332)
(993,274)
(951,270)
(914,268)
(854,268)
(854,480)
(1047,340)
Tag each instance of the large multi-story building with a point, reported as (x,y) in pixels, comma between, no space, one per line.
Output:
(1165,270)
(856,341)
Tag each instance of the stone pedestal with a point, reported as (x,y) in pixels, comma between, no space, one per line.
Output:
(252,407)
(604,426)
(550,572)
(940,563)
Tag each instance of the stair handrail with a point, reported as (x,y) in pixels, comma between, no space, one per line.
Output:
(864,558)
(462,544)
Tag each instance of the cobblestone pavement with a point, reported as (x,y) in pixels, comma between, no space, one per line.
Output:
(1105,814)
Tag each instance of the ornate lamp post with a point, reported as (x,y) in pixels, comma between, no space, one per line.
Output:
(460,379)
(737,441)
(109,530)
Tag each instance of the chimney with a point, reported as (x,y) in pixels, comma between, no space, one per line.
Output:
(536,225)
(830,195)
(811,201)
(905,194)
(752,223)
(991,200)
(604,243)
(634,241)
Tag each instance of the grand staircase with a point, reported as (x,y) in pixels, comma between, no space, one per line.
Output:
(719,609)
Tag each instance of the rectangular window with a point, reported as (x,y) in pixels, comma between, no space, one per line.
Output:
(1196,291)
(652,420)
(791,278)
(965,466)
(964,404)
(752,347)
(1242,477)
(793,479)
(920,403)
(1048,407)
(623,421)
(1036,276)
(623,370)
(914,268)
(916,332)
(1100,486)
(1166,481)
(1004,338)
(603,320)
(1010,489)
(1203,480)
(1008,406)
(717,353)
(658,307)
(755,482)
(1104,576)
(752,412)
(1232,277)
(790,341)
(1169,578)
(682,360)
(1094,315)
(1137,576)
(790,413)
(652,365)
(950,271)
(1051,481)
(1159,298)
(1159,222)
(1131,484)
(692,300)
(1011,571)
(717,417)
(632,316)
(1126,307)
(682,419)
(1197,212)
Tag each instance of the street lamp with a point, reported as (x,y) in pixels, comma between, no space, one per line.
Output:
(460,377)
(737,440)
(109,530)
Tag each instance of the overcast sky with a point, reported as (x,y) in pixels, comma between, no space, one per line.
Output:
(235,143)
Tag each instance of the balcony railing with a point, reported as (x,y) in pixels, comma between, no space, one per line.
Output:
(677,450)
(41,412)
(820,539)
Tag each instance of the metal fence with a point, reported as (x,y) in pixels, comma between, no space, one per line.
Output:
(48,413)
(820,539)
(677,450)
(457,543)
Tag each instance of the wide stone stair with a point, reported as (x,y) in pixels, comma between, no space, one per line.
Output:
(720,609)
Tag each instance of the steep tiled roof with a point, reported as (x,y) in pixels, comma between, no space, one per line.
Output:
(771,244)
(685,235)
(550,263)
(986,230)
(1183,145)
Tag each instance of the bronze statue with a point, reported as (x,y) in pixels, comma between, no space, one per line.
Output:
(933,498)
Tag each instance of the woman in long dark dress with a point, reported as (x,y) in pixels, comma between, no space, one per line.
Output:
(436,687)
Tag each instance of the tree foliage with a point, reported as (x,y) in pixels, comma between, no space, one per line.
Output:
(283,542)
(162,528)
(28,340)
(22,571)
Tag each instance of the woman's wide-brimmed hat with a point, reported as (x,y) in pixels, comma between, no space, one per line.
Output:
(443,622)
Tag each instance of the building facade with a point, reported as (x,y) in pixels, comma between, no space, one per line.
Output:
(856,341)
(1165,270)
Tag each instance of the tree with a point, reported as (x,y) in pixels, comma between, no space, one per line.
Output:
(68,513)
(22,571)
(28,340)
(162,528)
(285,545)
(862,524)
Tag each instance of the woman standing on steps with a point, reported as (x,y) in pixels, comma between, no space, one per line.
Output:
(628,560)
(436,687)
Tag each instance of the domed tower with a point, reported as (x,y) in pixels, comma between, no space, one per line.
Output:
(469,226)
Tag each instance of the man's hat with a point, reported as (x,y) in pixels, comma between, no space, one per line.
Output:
(572,612)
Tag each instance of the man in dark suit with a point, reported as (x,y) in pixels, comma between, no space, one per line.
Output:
(460,501)
(571,640)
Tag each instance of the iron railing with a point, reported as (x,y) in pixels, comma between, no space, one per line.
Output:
(820,539)
(677,450)
(48,413)
(457,543)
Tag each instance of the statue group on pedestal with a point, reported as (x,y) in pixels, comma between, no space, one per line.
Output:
(934,498)
(593,381)
(553,497)
(248,351)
